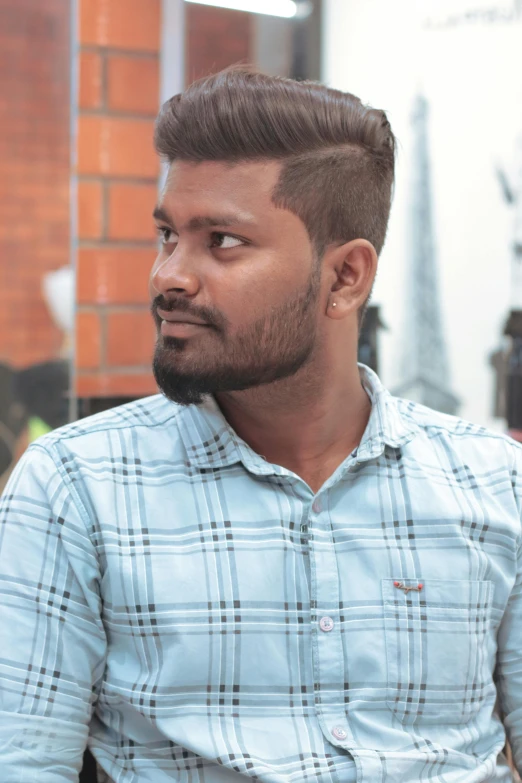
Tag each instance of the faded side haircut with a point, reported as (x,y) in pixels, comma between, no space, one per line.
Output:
(338,155)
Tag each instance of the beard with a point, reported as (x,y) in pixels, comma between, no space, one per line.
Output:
(273,347)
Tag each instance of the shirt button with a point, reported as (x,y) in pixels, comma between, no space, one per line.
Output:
(326,624)
(339,733)
(316,507)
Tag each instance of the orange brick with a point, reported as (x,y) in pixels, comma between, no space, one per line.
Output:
(133,84)
(90,210)
(35,167)
(115,384)
(114,275)
(88,341)
(90,96)
(130,210)
(121,24)
(116,147)
(130,338)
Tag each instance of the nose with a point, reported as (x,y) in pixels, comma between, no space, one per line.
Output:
(174,274)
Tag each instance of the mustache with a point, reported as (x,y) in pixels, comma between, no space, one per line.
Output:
(210,316)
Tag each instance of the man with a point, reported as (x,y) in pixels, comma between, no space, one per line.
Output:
(276,570)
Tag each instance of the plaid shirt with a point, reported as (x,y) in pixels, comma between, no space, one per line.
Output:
(198,614)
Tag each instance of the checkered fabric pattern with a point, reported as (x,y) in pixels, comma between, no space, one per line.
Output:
(195,613)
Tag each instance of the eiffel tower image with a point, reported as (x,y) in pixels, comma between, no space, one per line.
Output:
(424,372)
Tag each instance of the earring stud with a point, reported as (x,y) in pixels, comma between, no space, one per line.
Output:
(334,304)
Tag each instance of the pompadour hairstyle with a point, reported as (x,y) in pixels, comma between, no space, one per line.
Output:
(337,155)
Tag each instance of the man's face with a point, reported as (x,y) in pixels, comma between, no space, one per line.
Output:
(235,287)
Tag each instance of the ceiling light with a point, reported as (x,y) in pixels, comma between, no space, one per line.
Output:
(285,8)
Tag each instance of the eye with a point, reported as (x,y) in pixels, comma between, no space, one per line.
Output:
(167,235)
(225,241)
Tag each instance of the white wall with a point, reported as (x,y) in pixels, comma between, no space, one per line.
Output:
(472,76)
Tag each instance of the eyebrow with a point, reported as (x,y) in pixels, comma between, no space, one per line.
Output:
(205,221)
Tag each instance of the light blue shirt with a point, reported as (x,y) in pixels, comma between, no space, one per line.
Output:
(195,613)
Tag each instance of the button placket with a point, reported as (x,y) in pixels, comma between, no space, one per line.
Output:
(328,656)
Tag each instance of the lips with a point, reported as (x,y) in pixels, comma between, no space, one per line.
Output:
(180,318)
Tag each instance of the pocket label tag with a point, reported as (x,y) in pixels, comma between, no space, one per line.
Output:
(407,588)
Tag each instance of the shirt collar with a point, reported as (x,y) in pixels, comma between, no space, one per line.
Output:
(210,442)
(389,424)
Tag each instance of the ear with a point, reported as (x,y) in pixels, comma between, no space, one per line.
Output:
(351,270)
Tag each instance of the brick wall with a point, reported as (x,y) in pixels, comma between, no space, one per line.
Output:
(117,171)
(117,189)
(35,168)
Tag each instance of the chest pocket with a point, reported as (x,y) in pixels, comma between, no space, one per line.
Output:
(437,648)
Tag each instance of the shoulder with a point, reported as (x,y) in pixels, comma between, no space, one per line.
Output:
(131,427)
(465,441)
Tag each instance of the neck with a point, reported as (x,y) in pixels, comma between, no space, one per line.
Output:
(308,423)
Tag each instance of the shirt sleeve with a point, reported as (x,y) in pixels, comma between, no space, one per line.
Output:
(52,640)
(509,655)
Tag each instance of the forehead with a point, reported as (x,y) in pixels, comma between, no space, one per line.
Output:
(246,185)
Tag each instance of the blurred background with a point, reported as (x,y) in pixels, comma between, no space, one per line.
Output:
(82,81)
